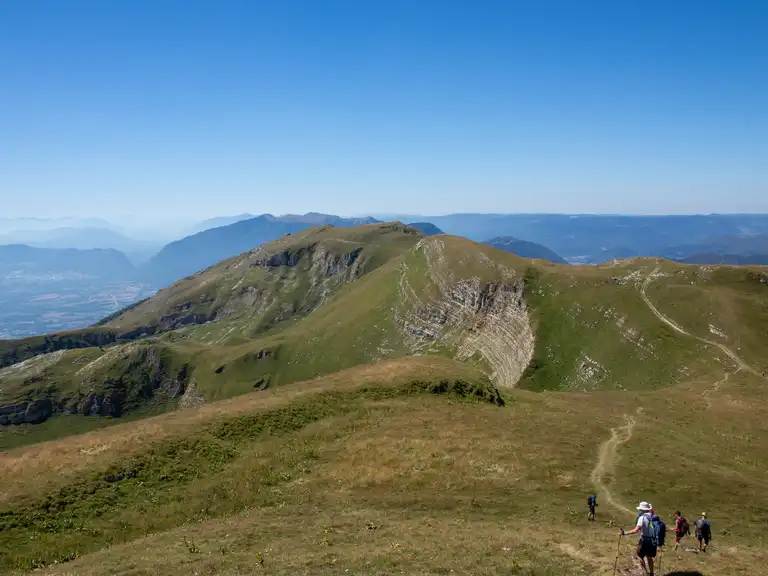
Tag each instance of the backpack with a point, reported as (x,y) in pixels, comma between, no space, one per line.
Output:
(652,537)
(660,530)
(591,501)
(683,527)
(702,528)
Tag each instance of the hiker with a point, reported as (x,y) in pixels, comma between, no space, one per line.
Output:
(682,528)
(592,504)
(703,532)
(648,543)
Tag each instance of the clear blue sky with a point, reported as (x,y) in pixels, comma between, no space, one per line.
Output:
(191,109)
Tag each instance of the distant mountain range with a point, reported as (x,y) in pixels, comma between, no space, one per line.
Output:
(218,222)
(11,224)
(83,238)
(593,239)
(732,259)
(733,245)
(525,249)
(18,259)
(426,228)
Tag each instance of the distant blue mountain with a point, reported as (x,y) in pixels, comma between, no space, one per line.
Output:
(525,249)
(219,221)
(108,264)
(596,238)
(731,259)
(723,245)
(427,228)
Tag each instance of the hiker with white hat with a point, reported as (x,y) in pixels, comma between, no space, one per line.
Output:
(649,542)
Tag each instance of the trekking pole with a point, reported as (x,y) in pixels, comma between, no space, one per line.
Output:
(618,547)
(661,553)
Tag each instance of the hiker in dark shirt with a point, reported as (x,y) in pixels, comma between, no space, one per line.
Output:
(682,529)
(592,504)
(703,532)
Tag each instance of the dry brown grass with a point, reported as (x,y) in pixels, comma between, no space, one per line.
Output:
(429,486)
(43,466)
(426,485)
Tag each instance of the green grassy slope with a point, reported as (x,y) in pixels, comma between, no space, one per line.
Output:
(370,471)
(725,304)
(594,331)
(271,283)
(254,291)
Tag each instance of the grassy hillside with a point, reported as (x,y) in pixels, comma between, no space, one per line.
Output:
(207,247)
(406,466)
(273,282)
(330,298)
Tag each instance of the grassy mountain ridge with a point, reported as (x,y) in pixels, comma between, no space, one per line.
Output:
(329,298)
(211,245)
(301,267)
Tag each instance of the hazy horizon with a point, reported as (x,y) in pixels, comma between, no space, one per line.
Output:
(150,225)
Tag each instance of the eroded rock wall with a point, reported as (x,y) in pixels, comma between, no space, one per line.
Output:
(472,317)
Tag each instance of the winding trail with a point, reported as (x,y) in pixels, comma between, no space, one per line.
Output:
(607,458)
(740,364)
(717,386)
(608,452)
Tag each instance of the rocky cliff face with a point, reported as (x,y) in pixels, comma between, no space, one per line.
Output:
(469,316)
(121,380)
(26,412)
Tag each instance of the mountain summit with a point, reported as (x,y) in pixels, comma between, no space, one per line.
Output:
(198,251)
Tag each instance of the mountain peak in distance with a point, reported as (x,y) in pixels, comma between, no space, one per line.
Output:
(525,249)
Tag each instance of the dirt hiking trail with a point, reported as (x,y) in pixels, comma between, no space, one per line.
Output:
(607,458)
(716,386)
(740,364)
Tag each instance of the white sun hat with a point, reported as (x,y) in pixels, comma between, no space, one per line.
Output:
(645,507)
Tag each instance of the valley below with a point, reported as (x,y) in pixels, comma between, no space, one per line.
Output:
(41,303)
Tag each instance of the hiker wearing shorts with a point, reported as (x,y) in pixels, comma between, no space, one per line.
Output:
(682,529)
(648,543)
(703,532)
(591,504)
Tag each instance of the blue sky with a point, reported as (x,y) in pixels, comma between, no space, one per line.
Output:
(186,110)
